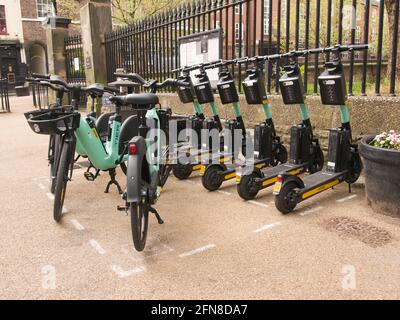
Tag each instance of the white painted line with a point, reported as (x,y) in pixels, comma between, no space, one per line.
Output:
(258,203)
(41,186)
(77,225)
(126,273)
(97,246)
(267,226)
(347,198)
(50,195)
(64,210)
(306,212)
(224,192)
(189,181)
(198,250)
(79,165)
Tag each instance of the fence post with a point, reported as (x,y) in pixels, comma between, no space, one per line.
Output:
(95,21)
(56,31)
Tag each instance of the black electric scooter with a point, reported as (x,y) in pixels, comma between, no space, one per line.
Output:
(268,149)
(344,162)
(305,151)
(199,93)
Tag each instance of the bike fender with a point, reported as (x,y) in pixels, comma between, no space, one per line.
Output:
(286,178)
(134,170)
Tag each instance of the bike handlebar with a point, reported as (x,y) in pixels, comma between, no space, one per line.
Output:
(133,76)
(41,76)
(196,66)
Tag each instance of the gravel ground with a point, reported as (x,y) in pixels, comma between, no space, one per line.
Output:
(212,245)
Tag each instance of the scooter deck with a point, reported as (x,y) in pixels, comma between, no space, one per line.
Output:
(283,168)
(320,181)
(271,174)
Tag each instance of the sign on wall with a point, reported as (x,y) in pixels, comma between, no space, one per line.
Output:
(199,48)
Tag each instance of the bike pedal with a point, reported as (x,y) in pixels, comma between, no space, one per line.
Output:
(122,208)
(89,176)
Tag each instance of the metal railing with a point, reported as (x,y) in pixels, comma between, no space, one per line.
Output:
(75,65)
(4,97)
(250,27)
(40,95)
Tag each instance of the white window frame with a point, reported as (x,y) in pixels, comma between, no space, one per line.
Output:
(266,17)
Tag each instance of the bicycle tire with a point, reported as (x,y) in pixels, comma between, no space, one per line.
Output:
(61,181)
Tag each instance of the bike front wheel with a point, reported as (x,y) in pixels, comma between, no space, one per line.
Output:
(139,224)
(61,182)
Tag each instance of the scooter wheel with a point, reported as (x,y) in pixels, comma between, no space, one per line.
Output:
(246,188)
(317,159)
(355,168)
(139,224)
(212,178)
(285,201)
(182,171)
(280,155)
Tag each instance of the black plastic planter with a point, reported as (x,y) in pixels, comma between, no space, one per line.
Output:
(382,177)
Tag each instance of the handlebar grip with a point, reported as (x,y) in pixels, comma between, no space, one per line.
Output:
(111,89)
(132,76)
(41,76)
(53,86)
(359,47)
(316,51)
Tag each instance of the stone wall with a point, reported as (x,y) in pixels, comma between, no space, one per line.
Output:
(368,115)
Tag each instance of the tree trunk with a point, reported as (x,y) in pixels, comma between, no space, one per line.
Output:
(390,10)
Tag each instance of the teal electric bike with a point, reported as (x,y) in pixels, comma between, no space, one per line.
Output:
(80,134)
(148,165)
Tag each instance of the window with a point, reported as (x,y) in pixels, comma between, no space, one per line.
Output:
(237,7)
(266,17)
(3,24)
(237,31)
(358,35)
(44,8)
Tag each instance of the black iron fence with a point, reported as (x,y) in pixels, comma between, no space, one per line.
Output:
(75,65)
(40,95)
(250,27)
(4,97)
(74,59)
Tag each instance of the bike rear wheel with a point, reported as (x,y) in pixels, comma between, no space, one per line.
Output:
(139,224)
(61,181)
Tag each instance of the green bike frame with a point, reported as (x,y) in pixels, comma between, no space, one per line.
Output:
(102,156)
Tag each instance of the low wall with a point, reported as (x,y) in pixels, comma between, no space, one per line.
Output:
(368,115)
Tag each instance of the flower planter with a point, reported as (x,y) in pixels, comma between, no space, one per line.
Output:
(382,177)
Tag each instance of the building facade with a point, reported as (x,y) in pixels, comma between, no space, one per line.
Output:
(23,37)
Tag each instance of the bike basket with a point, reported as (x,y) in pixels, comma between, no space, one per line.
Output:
(54,122)
(36,112)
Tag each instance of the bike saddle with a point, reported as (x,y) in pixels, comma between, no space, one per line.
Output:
(95,88)
(136,99)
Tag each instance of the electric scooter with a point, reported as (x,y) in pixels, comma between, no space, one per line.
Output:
(268,149)
(199,93)
(344,162)
(305,151)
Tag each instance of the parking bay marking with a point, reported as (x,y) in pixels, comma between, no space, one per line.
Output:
(347,198)
(77,225)
(126,273)
(198,250)
(306,212)
(97,246)
(258,203)
(267,226)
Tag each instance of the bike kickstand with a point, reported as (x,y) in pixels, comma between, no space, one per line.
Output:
(158,217)
(113,181)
